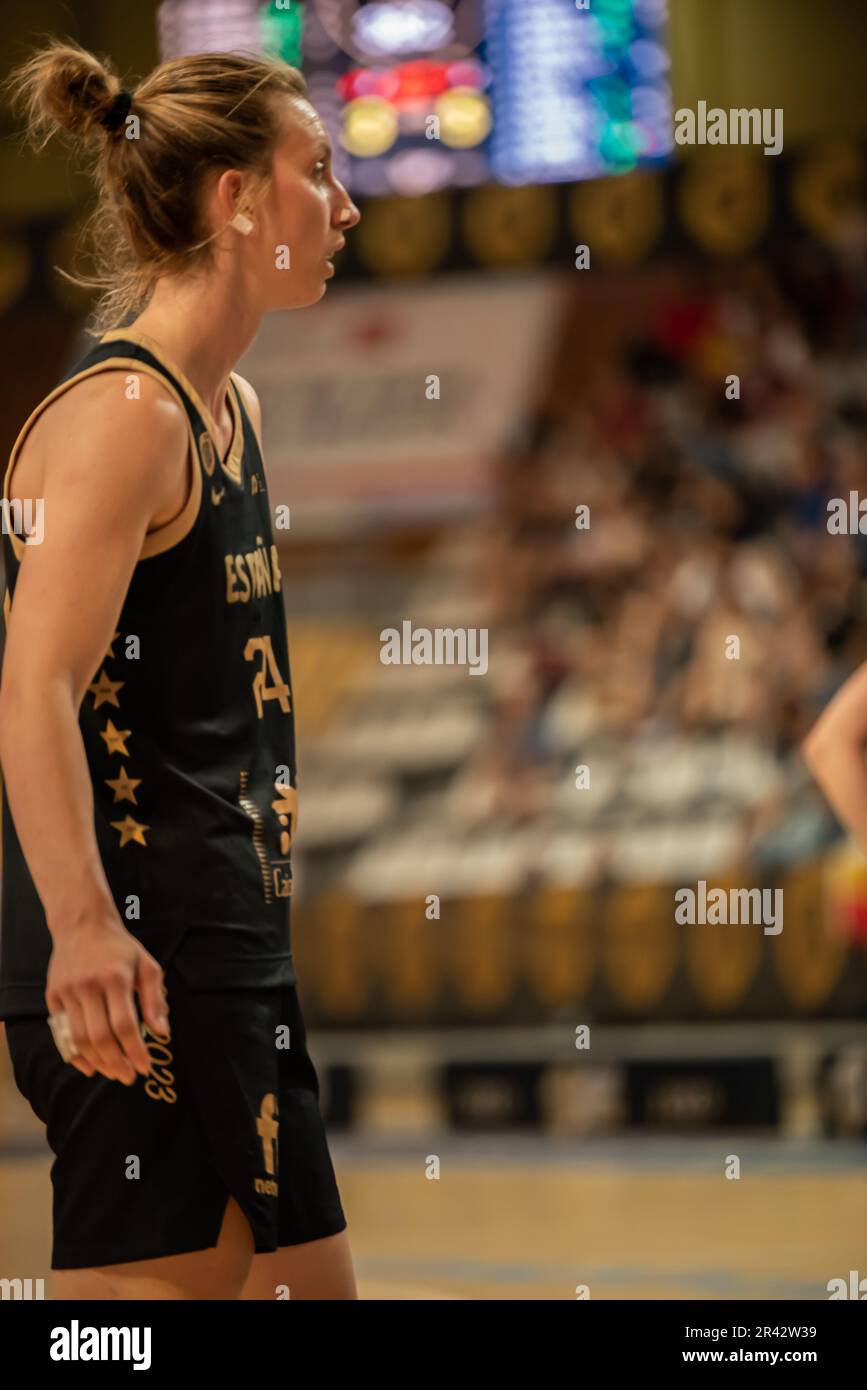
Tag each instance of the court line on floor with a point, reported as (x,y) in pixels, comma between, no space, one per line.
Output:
(479,1271)
(696,1155)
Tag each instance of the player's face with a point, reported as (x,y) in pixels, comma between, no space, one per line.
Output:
(300,215)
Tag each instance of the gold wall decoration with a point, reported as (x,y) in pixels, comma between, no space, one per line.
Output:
(482,959)
(724,200)
(506,227)
(827,187)
(808,957)
(404,236)
(341,969)
(558,945)
(722,958)
(619,219)
(639,945)
(411,961)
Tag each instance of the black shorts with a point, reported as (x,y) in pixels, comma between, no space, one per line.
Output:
(146,1170)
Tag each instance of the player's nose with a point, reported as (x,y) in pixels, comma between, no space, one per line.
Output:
(348,216)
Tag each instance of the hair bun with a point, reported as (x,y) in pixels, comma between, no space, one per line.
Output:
(63,87)
(117,113)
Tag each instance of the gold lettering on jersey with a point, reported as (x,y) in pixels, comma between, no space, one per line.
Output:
(286,807)
(254,563)
(278,689)
(282,881)
(267,1128)
(160,1084)
(257,571)
(276,873)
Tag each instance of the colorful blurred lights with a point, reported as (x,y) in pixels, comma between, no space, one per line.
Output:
(407,84)
(465,118)
(370,127)
(410,27)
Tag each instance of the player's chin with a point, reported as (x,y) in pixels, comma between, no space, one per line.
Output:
(311,293)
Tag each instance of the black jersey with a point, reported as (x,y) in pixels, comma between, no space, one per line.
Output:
(187,723)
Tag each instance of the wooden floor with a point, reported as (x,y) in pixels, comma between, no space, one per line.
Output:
(527,1219)
(522,1217)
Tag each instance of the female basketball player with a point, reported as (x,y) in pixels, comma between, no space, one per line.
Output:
(835,750)
(146,719)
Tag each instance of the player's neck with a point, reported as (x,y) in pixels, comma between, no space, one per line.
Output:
(199,334)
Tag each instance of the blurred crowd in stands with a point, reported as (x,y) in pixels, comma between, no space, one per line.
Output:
(678,647)
(706,452)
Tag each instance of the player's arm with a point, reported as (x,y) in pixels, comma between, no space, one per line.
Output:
(834,751)
(110,465)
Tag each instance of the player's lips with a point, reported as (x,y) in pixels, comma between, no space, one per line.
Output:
(333,252)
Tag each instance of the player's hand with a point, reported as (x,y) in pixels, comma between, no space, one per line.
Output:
(94,972)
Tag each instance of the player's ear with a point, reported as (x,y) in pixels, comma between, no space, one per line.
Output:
(229,199)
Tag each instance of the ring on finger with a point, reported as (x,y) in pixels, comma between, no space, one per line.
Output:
(62,1034)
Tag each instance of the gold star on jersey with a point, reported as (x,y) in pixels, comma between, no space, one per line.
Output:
(105,691)
(130,830)
(123,786)
(115,739)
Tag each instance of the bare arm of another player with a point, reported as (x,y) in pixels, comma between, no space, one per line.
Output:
(110,466)
(834,751)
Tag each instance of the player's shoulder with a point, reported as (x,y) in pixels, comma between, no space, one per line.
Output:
(119,403)
(113,432)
